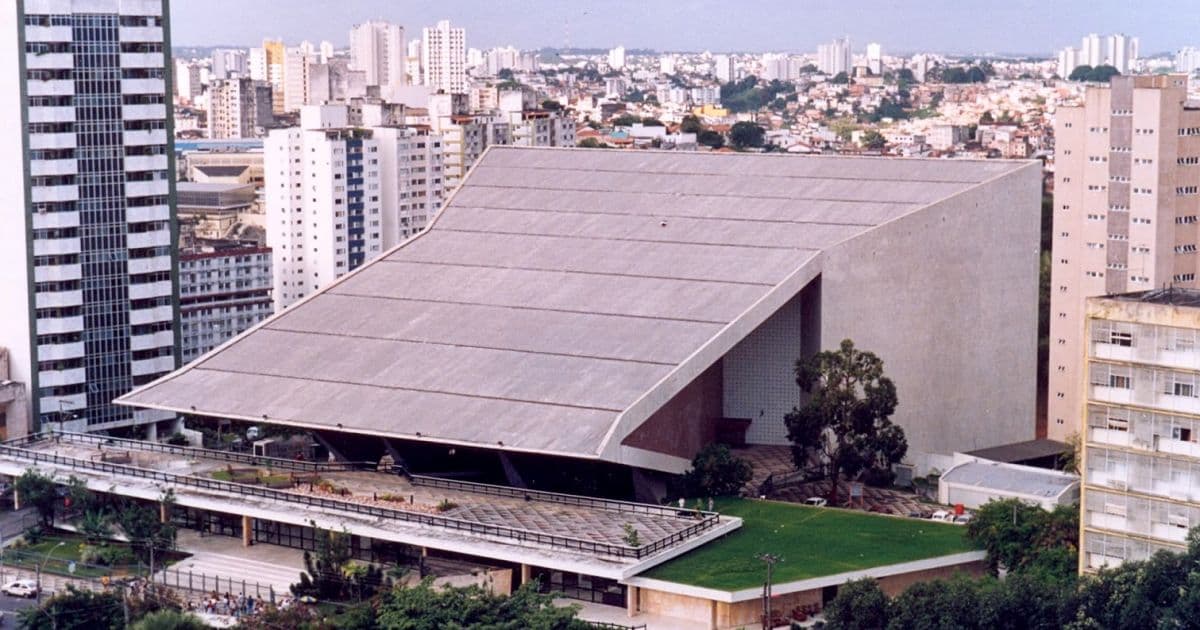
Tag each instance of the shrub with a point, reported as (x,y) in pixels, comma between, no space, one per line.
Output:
(177,439)
(446,505)
(393,498)
(631,537)
(716,472)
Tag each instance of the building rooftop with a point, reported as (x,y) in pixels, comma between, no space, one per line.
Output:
(1170,296)
(1020,452)
(560,298)
(211,187)
(213,170)
(1011,478)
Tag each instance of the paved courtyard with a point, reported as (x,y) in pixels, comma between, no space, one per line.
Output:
(586,522)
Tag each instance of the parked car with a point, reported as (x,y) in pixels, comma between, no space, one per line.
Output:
(962,519)
(942,515)
(816,502)
(20,588)
(253,433)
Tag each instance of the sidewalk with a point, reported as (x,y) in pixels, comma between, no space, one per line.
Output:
(224,556)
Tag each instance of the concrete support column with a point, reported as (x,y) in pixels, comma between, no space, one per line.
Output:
(164,512)
(247,531)
(16,497)
(631,600)
(526,574)
(424,552)
(712,622)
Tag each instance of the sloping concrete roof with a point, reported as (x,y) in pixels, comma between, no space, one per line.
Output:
(560,297)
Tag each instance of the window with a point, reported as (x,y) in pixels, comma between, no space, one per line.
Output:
(1183,389)
(1181,434)
(1121,338)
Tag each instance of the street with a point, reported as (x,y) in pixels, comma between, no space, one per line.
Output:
(9,606)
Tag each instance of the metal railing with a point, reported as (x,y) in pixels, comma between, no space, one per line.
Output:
(555,497)
(190,451)
(608,625)
(421,518)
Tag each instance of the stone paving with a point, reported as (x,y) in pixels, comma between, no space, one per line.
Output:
(595,524)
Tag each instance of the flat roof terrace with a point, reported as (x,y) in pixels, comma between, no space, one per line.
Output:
(569,532)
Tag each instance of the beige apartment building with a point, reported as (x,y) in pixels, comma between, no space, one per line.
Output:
(1127,174)
(1141,456)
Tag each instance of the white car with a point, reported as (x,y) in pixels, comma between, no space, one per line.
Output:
(20,588)
(816,501)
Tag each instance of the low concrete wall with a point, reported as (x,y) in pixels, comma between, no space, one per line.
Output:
(695,609)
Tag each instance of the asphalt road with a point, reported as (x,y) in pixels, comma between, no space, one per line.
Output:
(9,606)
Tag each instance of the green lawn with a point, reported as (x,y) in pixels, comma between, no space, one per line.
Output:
(812,541)
(58,558)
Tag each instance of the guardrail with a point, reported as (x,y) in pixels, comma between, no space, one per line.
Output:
(555,497)
(473,527)
(190,451)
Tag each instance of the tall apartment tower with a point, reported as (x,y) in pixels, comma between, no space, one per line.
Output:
(339,195)
(444,58)
(269,66)
(323,208)
(296,62)
(875,58)
(834,58)
(88,306)
(378,49)
(233,108)
(1126,202)
(1141,446)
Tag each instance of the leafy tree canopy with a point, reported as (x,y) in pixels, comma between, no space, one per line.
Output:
(746,134)
(716,472)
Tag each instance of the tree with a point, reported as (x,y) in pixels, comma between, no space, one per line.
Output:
(650,121)
(1080,73)
(37,490)
(846,422)
(505,74)
(1102,73)
(169,620)
(424,607)
(873,140)
(144,529)
(859,605)
(691,124)
(551,105)
(905,74)
(624,120)
(1019,536)
(986,118)
(322,575)
(76,608)
(746,134)
(840,78)
(591,143)
(716,472)
(710,138)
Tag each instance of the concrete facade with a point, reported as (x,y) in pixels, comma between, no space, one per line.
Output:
(223,291)
(1141,446)
(1127,166)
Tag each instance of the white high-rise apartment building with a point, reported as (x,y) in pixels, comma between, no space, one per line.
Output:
(326,50)
(1187,60)
(256,64)
(87,304)
(834,58)
(724,68)
(1090,53)
(616,58)
(377,49)
(875,58)
(233,108)
(1126,202)
(444,58)
(1122,52)
(666,64)
(230,62)
(187,81)
(295,76)
(338,196)
(1068,60)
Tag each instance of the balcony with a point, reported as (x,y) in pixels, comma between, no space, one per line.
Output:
(149,265)
(140,34)
(1110,436)
(56,378)
(54,299)
(55,325)
(150,315)
(138,240)
(35,61)
(146,290)
(55,246)
(59,351)
(145,137)
(160,339)
(1177,447)
(145,163)
(65,192)
(144,112)
(51,114)
(48,34)
(141,214)
(57,273)
(152,366)
(159,187)
(51,141)
(142,86)
(53,167)
(49,220)
(50,87)
(141,60)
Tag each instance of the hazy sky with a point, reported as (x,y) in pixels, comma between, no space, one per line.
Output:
(1014,26)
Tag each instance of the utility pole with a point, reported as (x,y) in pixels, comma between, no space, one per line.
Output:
(770,559)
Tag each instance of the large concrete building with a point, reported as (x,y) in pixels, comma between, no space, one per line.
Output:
(1141,460)
(238,108)
(87,306)
(618,310)
(338,195)
(1126,202)
(377,48)
(224,289)
(444,58)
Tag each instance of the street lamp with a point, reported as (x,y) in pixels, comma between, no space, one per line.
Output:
(43,564)
(770,559)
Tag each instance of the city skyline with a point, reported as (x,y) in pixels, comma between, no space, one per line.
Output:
(1010,28)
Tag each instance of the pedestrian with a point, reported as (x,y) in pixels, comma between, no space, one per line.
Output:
(710,504)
